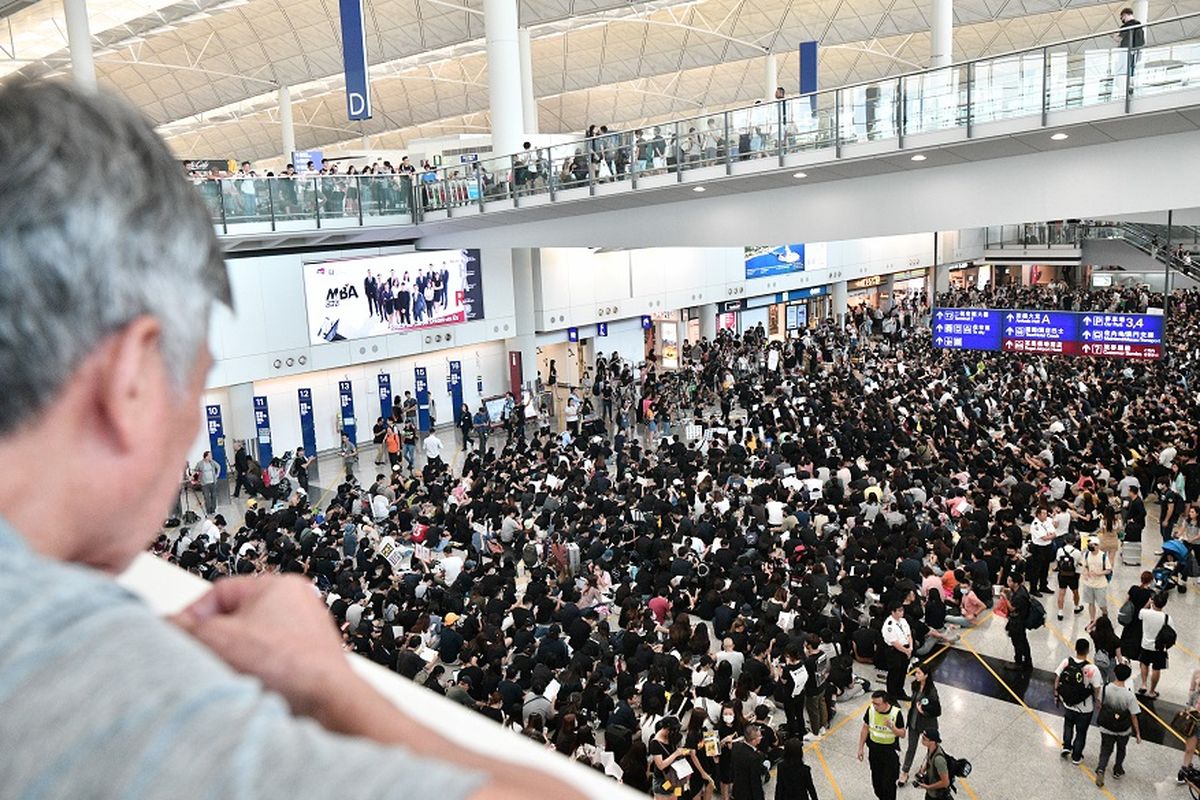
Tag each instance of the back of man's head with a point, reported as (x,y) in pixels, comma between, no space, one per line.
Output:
(98,227)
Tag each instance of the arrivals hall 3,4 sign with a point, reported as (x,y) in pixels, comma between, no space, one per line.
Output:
(1071,333)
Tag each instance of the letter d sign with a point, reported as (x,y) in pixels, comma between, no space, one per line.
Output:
(354,59)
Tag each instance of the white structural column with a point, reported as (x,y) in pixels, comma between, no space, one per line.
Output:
(840,302)
(79,42)
(770,76)
(1141,10)
(529,106)
(940,278)
(941,33)
(708,321)
(239,420)
(525,299)
(504,75)
(287,126)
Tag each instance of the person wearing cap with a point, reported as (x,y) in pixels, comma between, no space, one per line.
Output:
(460,691)
(882,730)
(934,776)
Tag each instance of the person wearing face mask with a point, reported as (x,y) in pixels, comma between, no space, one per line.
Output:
(729,728)
(1094,580)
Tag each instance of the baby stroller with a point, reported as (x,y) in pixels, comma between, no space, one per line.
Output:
(1174,567)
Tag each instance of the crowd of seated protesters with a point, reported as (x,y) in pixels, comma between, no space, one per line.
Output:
(728,569)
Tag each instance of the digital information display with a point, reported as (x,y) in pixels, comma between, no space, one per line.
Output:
(1070,333)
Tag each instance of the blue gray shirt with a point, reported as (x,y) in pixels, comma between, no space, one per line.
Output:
(101,699)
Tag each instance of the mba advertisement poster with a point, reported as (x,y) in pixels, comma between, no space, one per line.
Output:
(358,298)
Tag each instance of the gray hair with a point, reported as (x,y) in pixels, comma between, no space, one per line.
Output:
(98,226)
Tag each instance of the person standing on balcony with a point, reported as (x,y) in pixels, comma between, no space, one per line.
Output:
(1132,38)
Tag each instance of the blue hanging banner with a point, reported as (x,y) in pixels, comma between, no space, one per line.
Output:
(647,323)
(422,391)
(354,60)
(572,334)
(262,429)
(216,437)
(601,329)
(349,424)
(455,381)
(385,395)
(308,428)
(808,73)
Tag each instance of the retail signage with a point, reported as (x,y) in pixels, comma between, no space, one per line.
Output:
(216,437)
(262,429)
(572,334)
(355,298)
(1073,333)
(354,60)
(764,262)
(729,306)
(803,294)
(456,391)
(385,395)
(796,317)
(346,404)
(422,392)
(210,166)
(867,282)
(601,329)
(308,429)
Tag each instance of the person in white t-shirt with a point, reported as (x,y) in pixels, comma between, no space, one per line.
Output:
(1069,562)
(1153,660)
(1094,580)
(1076,687)
(433,447)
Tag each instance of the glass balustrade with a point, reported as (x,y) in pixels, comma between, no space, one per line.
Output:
(1029,84)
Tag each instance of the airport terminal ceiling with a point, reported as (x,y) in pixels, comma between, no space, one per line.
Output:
(207,71)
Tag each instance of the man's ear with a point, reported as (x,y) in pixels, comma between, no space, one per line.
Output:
(129,372)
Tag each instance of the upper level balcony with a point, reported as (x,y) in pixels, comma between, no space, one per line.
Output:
(1084,81)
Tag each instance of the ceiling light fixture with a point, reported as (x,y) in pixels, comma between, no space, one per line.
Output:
(918,157)
(800,175)
(1058,137)
(697,188)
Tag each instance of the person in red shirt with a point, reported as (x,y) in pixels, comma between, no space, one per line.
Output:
(660,607)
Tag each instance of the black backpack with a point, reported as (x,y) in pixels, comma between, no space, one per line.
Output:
(1072,684)
(1036,617)
(1166,637)
(1112,719)
(1066,563)
(957,767)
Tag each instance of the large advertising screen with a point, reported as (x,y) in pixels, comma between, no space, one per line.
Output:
(763,262)
(1069,333)
(376,295)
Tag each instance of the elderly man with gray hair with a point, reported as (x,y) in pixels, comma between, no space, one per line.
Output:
(109,268)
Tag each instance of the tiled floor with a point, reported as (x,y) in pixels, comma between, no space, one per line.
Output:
(1012,741)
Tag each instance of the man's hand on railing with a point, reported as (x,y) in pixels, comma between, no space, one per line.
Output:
(276,628)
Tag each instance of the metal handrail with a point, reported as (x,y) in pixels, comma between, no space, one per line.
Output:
(502,168)
(903,75)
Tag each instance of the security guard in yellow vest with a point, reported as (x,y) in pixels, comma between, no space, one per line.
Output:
(883,727)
